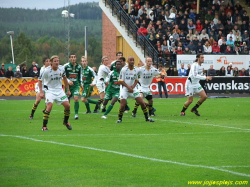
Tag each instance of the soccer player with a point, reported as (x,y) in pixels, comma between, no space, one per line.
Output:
(74,75)
(128,80)
(192,85)
(118,56)
(102,74)
(52,81)
(88,75)
(113,88)
(147,74)
(46,63)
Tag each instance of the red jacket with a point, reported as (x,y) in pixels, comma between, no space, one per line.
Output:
(142,31)
(215,48)
(199,27)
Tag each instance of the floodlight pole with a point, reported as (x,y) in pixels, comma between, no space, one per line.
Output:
(86,41)
(11,43)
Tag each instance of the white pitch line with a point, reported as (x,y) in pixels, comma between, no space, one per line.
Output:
(232,166)
(56,135)
(131,155)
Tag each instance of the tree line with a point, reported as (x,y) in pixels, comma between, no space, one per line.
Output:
(41,33)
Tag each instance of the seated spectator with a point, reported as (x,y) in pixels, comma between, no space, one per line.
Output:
(150,29)
(25,72)
(9,73)
(190,34)
(223,47)
(34,64)
(164,45)
(204,40)
(170,71)
(18,73)
(220,41)
(219,27)
(245,51)
(245,38)
(2,71)
(228,27)
(198,26)
(237,50)
(243,72)
(34,73)
(161,60)
(229,72)
(209,16)
(235,72)
(203,34)
(175,35)
(230,34)
(215,48)
(211,40)
(182,37)
(192,15)
(230,42)
(188,69)
(192,47)
(195,35)
(183,26)
(179,50)
(187,51)
(191,26)
(142,31)
(207,48)
(195,41)
(207,26)
(199,48)
(211,71)
(182,71)
(222,71)
(228,50)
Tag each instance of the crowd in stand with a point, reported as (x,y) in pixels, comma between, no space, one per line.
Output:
(175,27)
(20,71)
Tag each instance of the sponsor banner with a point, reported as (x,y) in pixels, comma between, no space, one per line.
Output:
(28,86)
(228,84)
(176,85)
(240,61)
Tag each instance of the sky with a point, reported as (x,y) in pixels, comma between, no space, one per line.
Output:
(39,4)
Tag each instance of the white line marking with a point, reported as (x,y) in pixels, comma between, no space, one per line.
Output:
(232,166)
(141,134)
(131,155)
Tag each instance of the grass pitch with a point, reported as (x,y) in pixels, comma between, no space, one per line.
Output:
(173,151)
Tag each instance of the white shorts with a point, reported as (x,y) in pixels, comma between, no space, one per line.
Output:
(124,94)
(59,98)
(190,88)
(37,90)
(145,91)
(100,86)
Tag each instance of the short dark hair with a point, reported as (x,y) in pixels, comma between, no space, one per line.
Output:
(119,52)
(122,59)
(118,61)
(45,58)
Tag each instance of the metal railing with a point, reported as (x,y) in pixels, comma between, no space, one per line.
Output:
(132,30)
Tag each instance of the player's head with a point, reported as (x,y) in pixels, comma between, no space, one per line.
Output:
(123,61)
(118,55)
(200,57)
(72,58)
(131,61)
(118,65)
(105,60)
(84,61)
(54,61)
(149,61)
(46,61)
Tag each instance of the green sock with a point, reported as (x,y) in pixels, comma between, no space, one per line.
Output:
(92,101)
(76,106)
(87,106)
(108,110)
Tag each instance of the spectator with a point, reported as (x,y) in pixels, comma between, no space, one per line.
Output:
(179,50)
(235,72)
(207,48)
(248,71)
(182,71)
(2,71)
(231,35)
(209,16)
(164,45)
(192,47)
(161,60)
(187,51)
(142,31)
(150,29)
(34,73)
(188,69)
(229,50)
(245,51)
(9,73)
(207,26)
(183,26)
(175,35)
(222,71)
(223,47)
(245,38)
(220,41)
(228,27)
(229,72)
(244,27)
(211,71)
(191,26)
(161,81)
(198,26)
(34,64)
(243,72)
(236,30)
(170,71)
(182,37)
(203,34)
(199,48)
(237,50)
(18,73)
(192,15)
(215,48)
(211,40)
(25,72)
(230,42)
(219,27)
